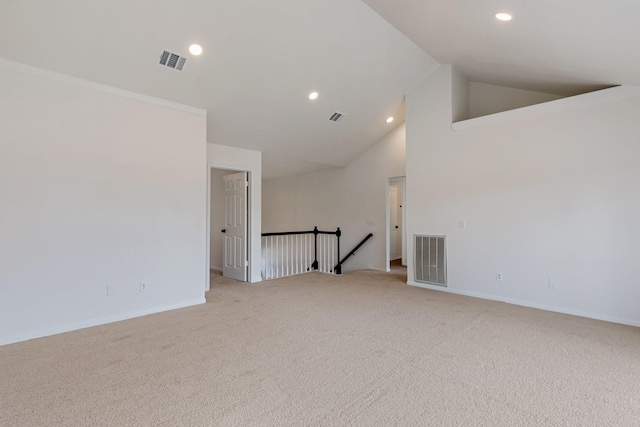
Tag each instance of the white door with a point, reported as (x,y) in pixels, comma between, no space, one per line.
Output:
(393,232)
(235,226)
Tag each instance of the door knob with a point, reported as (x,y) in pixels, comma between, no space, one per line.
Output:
(224,230)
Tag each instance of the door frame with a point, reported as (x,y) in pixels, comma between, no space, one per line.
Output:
(402,181)
(249,224)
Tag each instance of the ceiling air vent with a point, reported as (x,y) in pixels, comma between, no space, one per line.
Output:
(336,117)
(172,60)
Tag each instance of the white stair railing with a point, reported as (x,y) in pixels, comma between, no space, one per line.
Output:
(297,252)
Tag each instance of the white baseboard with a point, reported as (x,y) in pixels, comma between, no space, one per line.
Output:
(523,303)
(384,270)
(45,332)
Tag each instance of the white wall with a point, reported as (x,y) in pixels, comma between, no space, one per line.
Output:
(547,196)
(99,187)
(460,91)
(485,99)
(238,159)
(345,198)
(217,217)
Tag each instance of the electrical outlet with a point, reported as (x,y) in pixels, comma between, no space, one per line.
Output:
(553,283)
(462,225)
(144,287)
(111,290)
(499,276)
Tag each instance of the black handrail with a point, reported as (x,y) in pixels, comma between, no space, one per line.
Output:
(315,233)
(338,267)
(286,233)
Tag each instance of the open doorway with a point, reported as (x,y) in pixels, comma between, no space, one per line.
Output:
(396,241)
(229,223)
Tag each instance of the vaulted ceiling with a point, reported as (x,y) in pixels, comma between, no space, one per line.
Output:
(561,47)
(262,58)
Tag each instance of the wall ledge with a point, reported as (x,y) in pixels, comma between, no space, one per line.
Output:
(87,84)
(603,95)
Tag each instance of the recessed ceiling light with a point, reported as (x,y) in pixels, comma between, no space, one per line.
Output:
(313,95)
(195,49)
(389,119)
(503,16)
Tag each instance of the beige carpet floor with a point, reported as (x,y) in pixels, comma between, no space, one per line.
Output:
(319,350)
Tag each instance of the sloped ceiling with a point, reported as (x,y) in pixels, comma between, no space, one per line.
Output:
(261,59)
(561,47)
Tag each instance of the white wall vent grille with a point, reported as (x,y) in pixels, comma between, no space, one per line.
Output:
(172,60)
(431,259)
(336,117)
